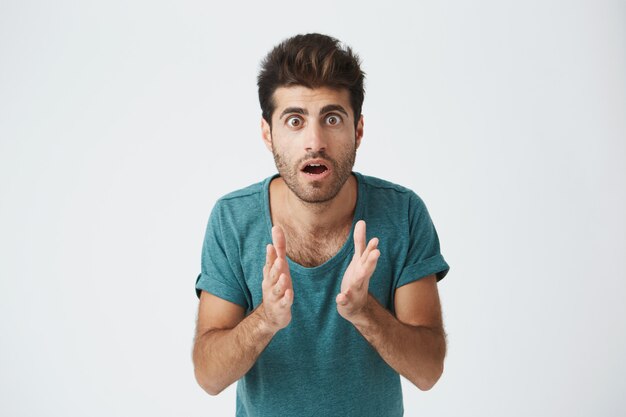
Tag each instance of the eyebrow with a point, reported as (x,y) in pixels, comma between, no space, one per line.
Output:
(298,110)
(334,107)
(304,112)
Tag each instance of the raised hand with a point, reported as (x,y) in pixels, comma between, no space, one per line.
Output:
(277,286)
(352,299)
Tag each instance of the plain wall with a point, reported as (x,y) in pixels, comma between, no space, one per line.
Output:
(122,122)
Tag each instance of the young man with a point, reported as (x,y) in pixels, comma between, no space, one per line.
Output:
(321,321)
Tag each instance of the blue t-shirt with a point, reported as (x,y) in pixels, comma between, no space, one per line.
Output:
(319,365)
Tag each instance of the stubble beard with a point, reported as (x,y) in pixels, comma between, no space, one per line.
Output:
(316,192)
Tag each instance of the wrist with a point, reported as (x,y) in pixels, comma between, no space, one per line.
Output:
(363,317)
(264,324)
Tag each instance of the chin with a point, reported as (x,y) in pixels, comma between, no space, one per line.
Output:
(315,193)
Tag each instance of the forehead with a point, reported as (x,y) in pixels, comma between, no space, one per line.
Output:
(309,98)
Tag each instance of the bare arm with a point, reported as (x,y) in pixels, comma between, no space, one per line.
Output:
(413,343)
(416,351)
(227,345)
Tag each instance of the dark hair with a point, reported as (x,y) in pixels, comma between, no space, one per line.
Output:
(312,60)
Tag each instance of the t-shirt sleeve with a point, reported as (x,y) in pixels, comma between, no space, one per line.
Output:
(424,256)
(217,273)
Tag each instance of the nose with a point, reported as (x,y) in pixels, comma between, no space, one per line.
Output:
(315,140)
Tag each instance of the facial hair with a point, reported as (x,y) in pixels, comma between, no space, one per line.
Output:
(315,192)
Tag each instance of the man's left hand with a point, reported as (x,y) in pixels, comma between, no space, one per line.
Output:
(352,300)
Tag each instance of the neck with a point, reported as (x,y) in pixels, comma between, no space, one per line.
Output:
(318,218)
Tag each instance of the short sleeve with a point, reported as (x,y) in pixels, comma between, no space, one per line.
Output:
(424,256)
(217,275)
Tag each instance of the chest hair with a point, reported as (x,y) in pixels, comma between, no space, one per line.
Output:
(313,249)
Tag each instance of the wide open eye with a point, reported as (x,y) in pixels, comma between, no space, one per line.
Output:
(294,121)
(333,119)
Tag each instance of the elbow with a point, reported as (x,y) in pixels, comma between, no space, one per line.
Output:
(431,371)
(426,382)
(205,376)
(425,385)
(209,386)
(210,389)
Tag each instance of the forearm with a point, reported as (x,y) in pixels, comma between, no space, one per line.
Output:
(222,356)
(415,352)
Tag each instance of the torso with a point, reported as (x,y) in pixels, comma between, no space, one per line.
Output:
(311,250)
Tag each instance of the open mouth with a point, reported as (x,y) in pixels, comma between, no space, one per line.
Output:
(315,169)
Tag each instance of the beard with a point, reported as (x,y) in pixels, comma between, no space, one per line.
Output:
(316,191)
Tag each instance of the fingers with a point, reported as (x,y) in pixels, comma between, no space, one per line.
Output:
(371,247)
(279,287)
(282,291)
(368,261)
(270,257)
(275,272)
(361,252)
(365,265)
(371,261)
(287,299)
(359,238)
(276,279)
(278,237)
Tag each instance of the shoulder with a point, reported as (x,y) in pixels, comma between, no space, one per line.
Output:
(248,197)
(243,194)
(387,192)
(380,184)
(241,211)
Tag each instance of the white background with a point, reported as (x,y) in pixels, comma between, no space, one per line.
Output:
(122,122)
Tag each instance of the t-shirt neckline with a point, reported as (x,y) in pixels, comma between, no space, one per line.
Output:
(348,245)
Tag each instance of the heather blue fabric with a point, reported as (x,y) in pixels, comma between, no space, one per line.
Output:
(319,365)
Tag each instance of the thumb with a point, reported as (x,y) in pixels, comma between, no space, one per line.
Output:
(280,244)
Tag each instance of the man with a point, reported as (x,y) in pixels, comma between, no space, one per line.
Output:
(321,321)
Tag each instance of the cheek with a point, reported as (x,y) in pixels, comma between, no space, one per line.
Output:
(286,137)
(346,141)
(285,146)
(285,152)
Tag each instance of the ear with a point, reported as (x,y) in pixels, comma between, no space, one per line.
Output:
(359,132)
(266,133)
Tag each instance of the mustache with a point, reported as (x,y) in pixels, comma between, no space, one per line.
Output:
(316,155)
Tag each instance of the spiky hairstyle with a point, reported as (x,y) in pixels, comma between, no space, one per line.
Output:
(312,60)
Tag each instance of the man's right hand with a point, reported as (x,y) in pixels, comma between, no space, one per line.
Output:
(277,285)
